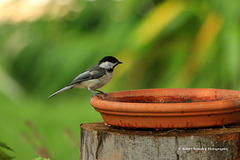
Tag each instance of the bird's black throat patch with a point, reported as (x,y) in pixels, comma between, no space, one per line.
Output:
(110,70)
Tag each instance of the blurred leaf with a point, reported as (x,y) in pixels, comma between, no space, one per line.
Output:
(147,31)
(40,158)
(3,145)
(155,22)
(200,49)
(9,86)
(3,155)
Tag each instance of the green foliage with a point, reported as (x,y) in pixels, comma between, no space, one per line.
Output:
(39,158)
(3,155)
(163,44)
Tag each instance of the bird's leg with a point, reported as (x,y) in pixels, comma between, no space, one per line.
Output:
(105,94)
(96,94)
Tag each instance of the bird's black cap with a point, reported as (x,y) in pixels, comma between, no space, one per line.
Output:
(109,59)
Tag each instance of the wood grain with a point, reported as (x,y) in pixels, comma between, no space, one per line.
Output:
(101,142)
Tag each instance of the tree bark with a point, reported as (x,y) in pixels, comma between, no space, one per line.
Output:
(101,142)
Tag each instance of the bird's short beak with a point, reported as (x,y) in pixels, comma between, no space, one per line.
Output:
(120,62)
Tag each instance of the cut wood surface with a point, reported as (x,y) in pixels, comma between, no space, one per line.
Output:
(102,142)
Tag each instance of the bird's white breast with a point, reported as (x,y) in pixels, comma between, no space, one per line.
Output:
(96,83)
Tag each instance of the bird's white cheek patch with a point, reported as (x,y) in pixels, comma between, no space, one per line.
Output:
(107,65)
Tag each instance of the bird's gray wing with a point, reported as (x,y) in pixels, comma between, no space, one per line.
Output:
(91,73)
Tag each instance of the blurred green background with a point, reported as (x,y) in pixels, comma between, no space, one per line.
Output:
(44,44)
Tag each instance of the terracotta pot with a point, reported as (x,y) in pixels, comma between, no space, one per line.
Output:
(169,108)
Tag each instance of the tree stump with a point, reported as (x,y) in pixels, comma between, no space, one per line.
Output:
(101,142)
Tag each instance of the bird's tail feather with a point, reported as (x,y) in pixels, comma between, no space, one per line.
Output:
(60,90)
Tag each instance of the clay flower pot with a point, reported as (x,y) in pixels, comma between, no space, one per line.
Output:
(169,108)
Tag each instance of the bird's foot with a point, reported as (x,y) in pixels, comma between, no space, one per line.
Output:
(105,94)
(101,92)
(97,95)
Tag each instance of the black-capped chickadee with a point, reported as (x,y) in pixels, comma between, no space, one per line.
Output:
(95,77)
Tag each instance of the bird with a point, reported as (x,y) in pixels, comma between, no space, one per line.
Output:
(94,77)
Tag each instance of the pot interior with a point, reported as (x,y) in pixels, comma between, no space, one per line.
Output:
(166,99)
(174,96)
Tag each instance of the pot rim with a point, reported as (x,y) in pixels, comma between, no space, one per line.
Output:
(213,107)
